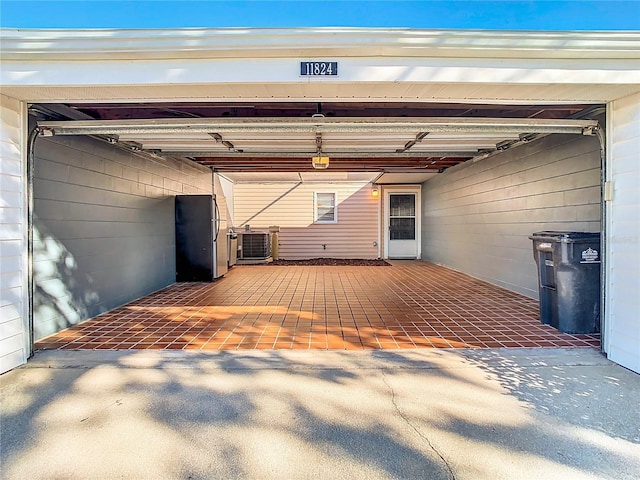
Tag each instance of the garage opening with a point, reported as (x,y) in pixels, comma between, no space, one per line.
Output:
(482,179)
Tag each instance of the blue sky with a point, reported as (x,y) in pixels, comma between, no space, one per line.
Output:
(456,14)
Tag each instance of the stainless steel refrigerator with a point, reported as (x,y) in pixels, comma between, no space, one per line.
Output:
(201,238)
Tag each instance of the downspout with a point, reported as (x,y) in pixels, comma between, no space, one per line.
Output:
(31,143)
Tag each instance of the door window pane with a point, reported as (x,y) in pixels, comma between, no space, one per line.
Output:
(402,228)
(402,205)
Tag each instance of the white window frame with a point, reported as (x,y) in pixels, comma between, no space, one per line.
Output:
(315,207)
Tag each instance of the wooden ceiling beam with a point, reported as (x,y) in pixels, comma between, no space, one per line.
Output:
(336,164)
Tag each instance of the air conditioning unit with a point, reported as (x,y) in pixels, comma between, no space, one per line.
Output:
(254,247)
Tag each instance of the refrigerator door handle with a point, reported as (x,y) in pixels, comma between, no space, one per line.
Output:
(217,221)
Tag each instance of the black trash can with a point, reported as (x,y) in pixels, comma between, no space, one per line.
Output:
(569,280)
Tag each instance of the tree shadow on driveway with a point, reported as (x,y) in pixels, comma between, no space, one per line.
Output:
(419,414)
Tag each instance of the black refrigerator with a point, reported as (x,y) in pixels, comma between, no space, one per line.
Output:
(201,238)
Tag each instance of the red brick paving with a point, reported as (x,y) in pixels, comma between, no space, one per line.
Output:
(409,305)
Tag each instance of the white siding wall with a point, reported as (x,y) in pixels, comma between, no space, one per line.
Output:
(14,340)
(622,338)
(223,189)
(290,205)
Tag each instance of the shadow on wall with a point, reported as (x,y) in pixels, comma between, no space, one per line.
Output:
(61,294)
(87,267)
(270,204)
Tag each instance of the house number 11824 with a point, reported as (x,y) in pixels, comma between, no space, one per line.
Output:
(318,69)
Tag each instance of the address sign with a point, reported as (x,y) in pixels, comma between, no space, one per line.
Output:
(318,69)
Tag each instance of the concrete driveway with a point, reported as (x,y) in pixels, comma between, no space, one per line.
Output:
(428,414)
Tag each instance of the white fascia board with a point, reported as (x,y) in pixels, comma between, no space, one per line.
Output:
(128,44)
(286,72)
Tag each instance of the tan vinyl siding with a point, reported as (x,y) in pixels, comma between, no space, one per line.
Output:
(290,206)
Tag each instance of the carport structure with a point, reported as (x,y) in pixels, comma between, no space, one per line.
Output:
(463,107)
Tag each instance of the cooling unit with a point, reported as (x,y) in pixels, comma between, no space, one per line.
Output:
(254,247)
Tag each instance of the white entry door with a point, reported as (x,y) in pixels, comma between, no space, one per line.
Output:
(402,225)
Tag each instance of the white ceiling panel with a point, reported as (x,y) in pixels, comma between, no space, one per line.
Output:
(328,176)
(266,177)
(404,178)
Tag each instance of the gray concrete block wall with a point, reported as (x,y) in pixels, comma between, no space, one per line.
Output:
(477,217)
(103,227)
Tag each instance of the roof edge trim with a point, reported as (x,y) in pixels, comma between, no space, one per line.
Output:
(96,44)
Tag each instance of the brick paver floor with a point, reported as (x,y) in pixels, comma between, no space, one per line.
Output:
(406,305)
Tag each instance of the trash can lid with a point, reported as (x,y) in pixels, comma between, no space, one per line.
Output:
(566,237)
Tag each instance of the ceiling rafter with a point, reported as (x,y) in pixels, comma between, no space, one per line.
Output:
(337,164)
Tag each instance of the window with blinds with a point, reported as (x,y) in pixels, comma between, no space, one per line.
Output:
(325,207)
